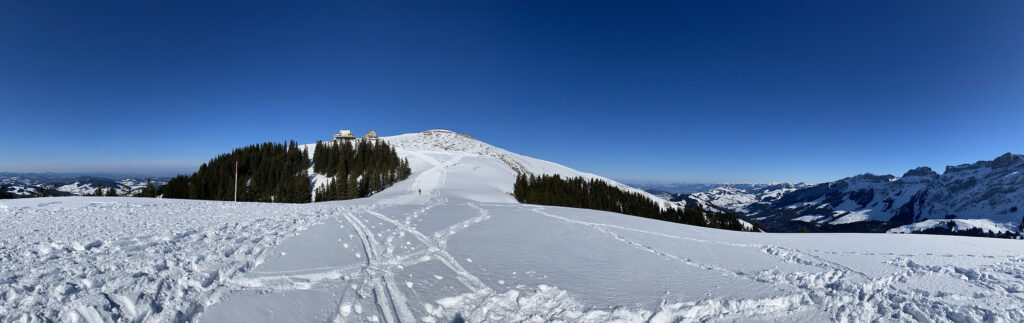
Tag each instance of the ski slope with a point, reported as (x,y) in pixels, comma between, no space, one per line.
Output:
(465,249)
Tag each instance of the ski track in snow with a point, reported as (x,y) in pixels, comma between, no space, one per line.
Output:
(146,260)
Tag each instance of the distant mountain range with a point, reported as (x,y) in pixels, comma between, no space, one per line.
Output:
(983,198)
(668,189)
(69,184)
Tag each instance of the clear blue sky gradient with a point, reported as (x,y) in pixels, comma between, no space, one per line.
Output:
(703,91)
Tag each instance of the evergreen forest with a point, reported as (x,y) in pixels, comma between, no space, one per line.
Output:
(357,168)
(598,195)
(278,172)
(267,172)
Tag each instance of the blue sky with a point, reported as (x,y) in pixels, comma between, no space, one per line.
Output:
(703,91)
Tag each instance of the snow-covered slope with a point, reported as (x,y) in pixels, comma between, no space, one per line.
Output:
(464,249)
(990,192)
(739,199)
(25,184)
(424,149)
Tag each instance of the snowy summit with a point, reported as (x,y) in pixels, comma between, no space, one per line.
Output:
(451,242)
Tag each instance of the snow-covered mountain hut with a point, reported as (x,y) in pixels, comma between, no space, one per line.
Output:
(343,135)
(370,135)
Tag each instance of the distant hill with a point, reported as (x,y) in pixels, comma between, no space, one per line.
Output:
(73,184)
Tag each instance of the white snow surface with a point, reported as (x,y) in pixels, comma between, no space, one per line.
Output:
(727,197)
(465,249)
(851,217)
(739,199)
(985,225)
(808,218)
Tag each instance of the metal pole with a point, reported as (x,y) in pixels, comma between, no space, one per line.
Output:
(236,181)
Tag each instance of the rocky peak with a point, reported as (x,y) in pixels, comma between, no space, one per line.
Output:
(1006,160)
(1003,161)
(872,178)
(921,171)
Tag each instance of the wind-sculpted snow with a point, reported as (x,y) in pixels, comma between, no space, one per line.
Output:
(464,250)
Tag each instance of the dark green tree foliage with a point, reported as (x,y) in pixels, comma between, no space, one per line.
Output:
(4,194)
(177,187)
(268,172)
(148,191)
(1020,227)
(111,192)
(598,195)
(99,190)
(972,232)
(42,191)
(357,169)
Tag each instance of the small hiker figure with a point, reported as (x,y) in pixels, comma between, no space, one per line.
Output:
(421,191)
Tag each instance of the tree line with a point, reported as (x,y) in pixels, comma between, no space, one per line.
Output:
(357,169)
(4,194)
(595,194)
(149,190)
(273,172)
(267,172)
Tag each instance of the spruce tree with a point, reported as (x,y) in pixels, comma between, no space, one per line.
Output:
(1020,227)
(351,187)
(149,190)
(358,168)
(599,195)
(99,190)
(41,191)
(111,192)
(4,194)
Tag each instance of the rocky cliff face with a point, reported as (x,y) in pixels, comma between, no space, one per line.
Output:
(990,191)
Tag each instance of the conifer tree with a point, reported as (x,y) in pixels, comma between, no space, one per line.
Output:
(41,191)
(351,187)
(149,190)
(599,195)
(1020,227)
(278,172)
(99,190)
(111,192)
(358,168)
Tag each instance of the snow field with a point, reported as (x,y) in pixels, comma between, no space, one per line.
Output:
(465,249)
(116,258)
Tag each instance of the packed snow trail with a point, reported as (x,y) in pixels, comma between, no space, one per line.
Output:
(465,248)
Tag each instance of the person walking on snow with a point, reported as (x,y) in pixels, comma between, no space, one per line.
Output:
(421,191)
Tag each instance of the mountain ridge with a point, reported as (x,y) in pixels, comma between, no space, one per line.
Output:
(987,190)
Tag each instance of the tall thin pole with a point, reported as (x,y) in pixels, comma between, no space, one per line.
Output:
(236,181)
